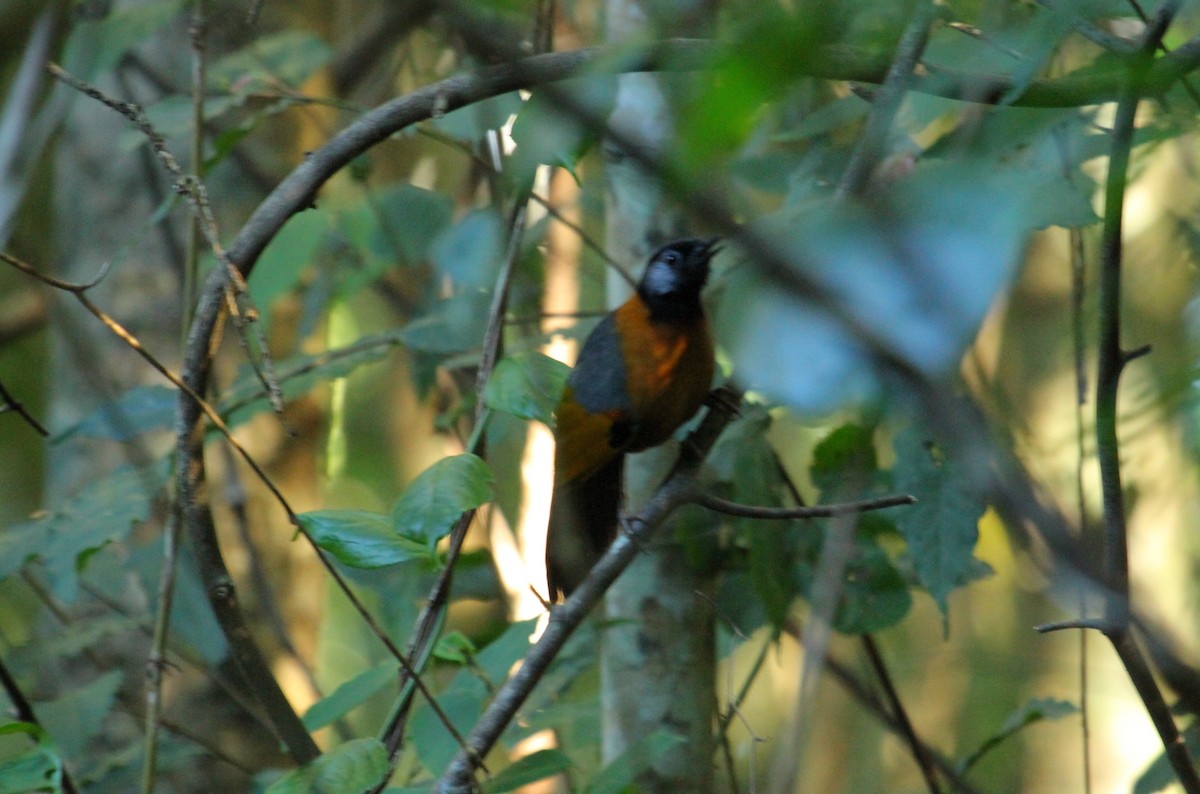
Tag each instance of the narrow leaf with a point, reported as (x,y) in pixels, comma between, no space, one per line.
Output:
(530,769)
(1033,711)
(351,694)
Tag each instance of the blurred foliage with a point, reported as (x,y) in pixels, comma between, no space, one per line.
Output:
(956,261)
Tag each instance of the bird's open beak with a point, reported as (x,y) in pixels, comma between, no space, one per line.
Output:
(712,246)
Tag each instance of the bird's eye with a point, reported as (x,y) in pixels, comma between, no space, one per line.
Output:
(670,258)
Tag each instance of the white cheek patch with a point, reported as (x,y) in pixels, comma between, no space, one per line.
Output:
(660,279)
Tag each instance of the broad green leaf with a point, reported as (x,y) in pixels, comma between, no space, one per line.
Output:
(527,385)
(397,225)
(350,695)
(435,746)
(912,272)
(361,539)
(447,489)
(139,410)
(289,253)
(453,325)
(469,251)
(546,133)
(874,595)
(845,455)
(767,331)
(94,47)
(101,513)
(351,768)
(745,459)
(942,527)
(1027,714)
(622,773)
(473,121)
(498,657)
(530,769)
(38,768)
(78,716)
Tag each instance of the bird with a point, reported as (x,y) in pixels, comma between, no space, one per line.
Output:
(644,370)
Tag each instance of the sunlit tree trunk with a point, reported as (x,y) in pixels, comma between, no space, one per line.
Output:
(658,659)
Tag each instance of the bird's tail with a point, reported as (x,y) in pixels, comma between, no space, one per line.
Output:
(583,522)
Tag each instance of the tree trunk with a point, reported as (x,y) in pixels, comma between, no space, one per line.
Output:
(659,658)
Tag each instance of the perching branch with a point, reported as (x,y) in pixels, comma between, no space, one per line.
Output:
(564,619)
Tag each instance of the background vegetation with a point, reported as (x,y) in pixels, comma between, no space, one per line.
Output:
(959,266)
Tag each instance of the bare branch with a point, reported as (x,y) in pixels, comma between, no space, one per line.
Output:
(720,505)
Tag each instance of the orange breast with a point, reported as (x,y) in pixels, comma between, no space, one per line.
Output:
(670,372)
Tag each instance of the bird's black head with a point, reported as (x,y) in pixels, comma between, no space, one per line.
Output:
(674,277)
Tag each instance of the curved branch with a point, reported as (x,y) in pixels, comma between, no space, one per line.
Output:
(298,190)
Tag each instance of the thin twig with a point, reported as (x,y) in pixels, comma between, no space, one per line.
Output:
(585,238)
(915,746)
(166,585)
(872,145)
(11,403)
(1111,361)
(720,505)
(865,695)
(432,613)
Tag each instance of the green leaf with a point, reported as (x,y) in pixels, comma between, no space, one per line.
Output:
(527,385)
(443,492)
(498,657)
(349,695)
(38,768)
(455,647)
(469,251)
(1029,713)
(140,410)
(470,123)
(103,512)
(435,746)
(942,527)
(398,223)
(78,716)
(286,257)
(530,769)
(545,133)
(351,768)
(361,539)
(622,773)
(94,47)
(846,453)
(874,595)
(453,325)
